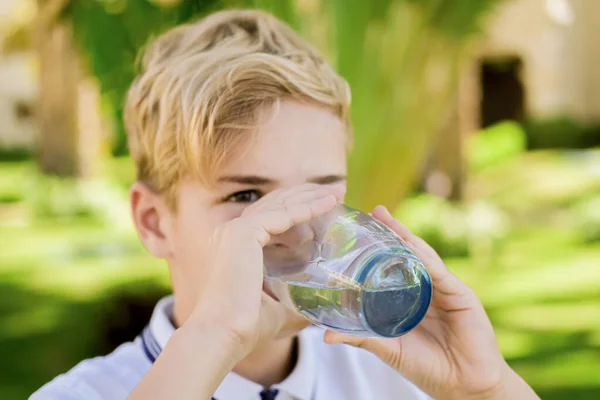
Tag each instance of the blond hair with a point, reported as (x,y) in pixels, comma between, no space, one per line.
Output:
(201,88)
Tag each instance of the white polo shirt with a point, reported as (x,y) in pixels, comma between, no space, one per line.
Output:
(322,372)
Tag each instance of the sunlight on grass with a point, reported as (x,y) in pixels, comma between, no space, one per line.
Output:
(39,320)
(13,179)
(563,278)
(594,339)
(514,344)
(538,179)
(495,144)
(87,278)
(541,285)
(573,369)
(581,315)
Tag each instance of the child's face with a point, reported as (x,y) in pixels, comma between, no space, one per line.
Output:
(300,143)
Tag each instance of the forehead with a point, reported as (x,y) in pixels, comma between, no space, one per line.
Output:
(296,141)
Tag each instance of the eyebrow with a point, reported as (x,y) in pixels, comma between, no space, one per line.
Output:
(327,179)
(261,180)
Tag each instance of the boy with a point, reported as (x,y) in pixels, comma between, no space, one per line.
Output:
(240,131)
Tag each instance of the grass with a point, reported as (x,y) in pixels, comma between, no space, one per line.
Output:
(546,316)
(60,286)
(64,281)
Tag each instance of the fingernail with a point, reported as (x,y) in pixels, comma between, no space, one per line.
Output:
(379,208)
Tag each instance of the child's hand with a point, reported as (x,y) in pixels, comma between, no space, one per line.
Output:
(233,302)
(452,353)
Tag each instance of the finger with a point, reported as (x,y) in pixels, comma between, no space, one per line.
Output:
(375,346)
(301,193)
(382,214)
(308,194)
(422,250)
(457,295)
(279,219)
(338,190)
(278,196)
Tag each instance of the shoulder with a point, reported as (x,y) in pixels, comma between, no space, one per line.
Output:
(109,377)
(360,371)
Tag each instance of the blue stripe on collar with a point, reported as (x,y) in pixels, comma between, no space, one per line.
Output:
(147,350)
(151,342)
(152,350)
(150,345)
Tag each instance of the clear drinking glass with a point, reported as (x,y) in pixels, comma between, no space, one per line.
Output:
(350,273)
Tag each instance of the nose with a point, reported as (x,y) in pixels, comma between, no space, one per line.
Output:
(290,252)
(295,238)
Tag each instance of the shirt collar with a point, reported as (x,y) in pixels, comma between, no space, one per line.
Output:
(299,384)
(161,326)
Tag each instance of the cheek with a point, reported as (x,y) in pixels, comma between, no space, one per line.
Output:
(231,211)
(194,230)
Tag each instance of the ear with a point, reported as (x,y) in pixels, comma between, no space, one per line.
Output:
(151,217)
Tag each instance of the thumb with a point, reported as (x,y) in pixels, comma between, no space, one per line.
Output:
(386,349)
(332,337)
(370,344)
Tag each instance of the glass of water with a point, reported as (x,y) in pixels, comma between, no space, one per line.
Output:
(350,273)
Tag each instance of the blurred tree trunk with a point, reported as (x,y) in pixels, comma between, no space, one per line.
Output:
(446,171)
(401,58)
(444,176)
(92,130)
(59,86)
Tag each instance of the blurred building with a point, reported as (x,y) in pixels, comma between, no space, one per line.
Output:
(48,103)
(18,80)
(18,91)
(535,63)
(538,61)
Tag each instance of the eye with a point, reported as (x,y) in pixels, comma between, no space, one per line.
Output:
(246,196)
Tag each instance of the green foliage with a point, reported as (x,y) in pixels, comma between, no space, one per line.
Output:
(561,132)
(400,90)
(495,144)
(454,229)
(97,201)
(112,33)
(13,180)
(401,59)
(57,198)
(456,19)
(586,214)
(439,222)
(8,198)
(100,201)
(284,9)
(15,154)
(74,286)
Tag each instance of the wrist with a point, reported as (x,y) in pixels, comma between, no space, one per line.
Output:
(219,337)
(508,386)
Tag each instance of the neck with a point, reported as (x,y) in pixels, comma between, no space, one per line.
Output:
(267,365)
(270,363)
